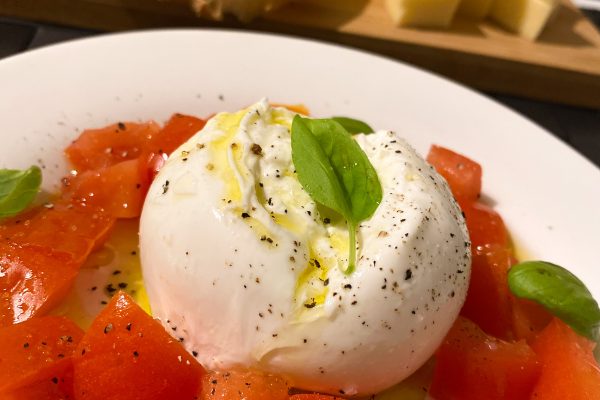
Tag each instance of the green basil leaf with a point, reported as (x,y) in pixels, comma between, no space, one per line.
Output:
(353,125)
(560,292)
(18,188)
(335,172)
(314,169)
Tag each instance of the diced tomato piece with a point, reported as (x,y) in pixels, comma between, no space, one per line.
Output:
(67,226)
(485,225)
(59,387)
(105,147)
(154,162)
(314,396)
(35,353)
(101,148)
(529,318)
(569,370)
(127,355)
(488,302)
(178,129)
(117,164)
(243,384)
(33,279)
(119,189)
(462,174)
(471,365)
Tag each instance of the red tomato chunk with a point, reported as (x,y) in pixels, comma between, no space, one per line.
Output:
(36,358)
(64,226)
(529,318)
(569,370)
(462,174)
(57,388)
(105,147)
(474,366)
(488,301)
(485,225)
(178,129)
(115,165)
(243,384)
(33,279)
(119,190)
(101,148)
(127,355)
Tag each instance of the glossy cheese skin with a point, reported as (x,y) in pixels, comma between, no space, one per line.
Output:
(243,266)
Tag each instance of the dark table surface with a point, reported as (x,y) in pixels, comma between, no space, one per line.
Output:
(578,127)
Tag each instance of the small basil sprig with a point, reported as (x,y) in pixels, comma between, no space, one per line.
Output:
(335,172)
(18,188)
(353,125)
(560,292)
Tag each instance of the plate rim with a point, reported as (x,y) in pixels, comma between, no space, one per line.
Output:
(534,132)
(103,36)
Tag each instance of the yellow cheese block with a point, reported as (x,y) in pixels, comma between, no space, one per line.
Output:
(525,17)
(422,13)
(475,9)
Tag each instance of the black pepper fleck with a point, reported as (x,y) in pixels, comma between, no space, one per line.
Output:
(256,149)
(312,304)
(165,187)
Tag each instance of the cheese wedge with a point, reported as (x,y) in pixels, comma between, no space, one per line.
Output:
(525,17)
(422,13)
(475,9)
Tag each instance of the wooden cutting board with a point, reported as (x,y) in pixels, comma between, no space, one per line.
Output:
(562,66)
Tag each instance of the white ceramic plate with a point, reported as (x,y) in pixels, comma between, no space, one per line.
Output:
(548,194)
(588,4)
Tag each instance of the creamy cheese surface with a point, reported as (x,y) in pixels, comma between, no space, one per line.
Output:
(242,265)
